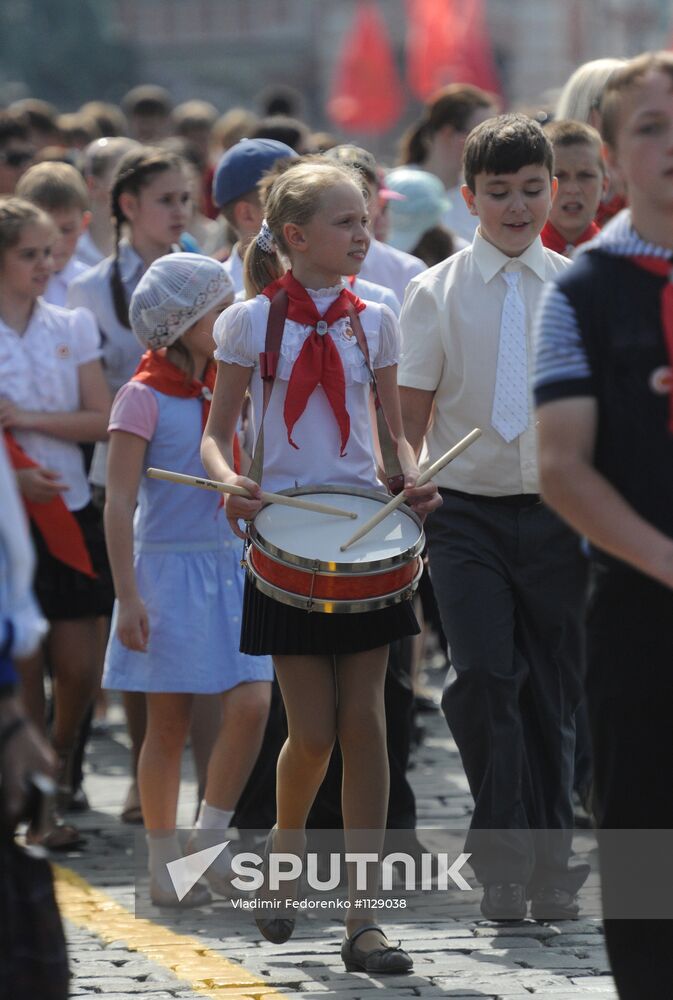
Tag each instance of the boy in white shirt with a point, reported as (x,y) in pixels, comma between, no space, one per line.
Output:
(508,575)
(59,190)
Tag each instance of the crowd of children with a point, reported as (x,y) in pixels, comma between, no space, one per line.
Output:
(125,344)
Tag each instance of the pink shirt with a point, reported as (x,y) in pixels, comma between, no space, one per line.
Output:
(135,410)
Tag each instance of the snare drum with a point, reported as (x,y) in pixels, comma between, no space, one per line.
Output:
(294,555)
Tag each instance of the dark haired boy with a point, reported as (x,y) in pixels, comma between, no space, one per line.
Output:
(582,180)
(508,575)
(603,390)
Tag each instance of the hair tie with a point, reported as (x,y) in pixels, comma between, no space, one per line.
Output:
(264,238)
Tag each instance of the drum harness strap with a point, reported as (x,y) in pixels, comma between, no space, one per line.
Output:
(268,363)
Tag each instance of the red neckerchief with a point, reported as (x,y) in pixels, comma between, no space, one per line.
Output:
(319,360)
(664,268)
(608,209)
(58,526)
(553,240)
(156,371)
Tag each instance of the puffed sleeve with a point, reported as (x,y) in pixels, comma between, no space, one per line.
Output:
(389,339)
(85,336)
(135,411)
(233,335)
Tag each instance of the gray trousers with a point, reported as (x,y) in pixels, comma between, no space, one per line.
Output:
(510,582)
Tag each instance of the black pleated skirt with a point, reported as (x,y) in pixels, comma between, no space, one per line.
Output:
(271,627)
(64,593)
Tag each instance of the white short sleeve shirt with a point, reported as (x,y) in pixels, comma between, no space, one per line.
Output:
(39,370)
(450,336)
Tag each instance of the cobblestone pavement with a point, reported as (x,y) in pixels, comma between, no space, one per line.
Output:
(205,953)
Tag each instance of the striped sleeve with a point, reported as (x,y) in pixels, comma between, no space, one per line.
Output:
(562,367)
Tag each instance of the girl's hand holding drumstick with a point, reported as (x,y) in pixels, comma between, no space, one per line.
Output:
(240,508)
(424,478)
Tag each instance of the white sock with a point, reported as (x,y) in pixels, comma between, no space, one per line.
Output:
(211,818)
(209,831)
(163,847)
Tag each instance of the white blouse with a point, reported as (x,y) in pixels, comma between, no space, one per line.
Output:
(39,371)
(240,334)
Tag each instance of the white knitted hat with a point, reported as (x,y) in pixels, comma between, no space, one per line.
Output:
(173,294)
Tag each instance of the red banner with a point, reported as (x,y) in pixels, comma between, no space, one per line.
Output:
(366,93)
(448,42)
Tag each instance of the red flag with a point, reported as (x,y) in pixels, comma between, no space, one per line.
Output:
(448,42)
(366,93)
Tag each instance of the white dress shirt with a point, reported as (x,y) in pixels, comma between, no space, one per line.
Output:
(392,268)
(233,265)
(93,289)
(56,292)
(450,336)
(86,251)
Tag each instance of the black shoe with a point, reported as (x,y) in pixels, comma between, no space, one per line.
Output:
(554,904)
(78,801)
(504,901)
(388,960)
(278,930)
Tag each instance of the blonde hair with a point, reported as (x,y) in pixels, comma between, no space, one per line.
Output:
(54,186)
(582,93)
(15,215)
(294,196)
(630,77)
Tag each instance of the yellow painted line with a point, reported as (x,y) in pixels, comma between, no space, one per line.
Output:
(205,971)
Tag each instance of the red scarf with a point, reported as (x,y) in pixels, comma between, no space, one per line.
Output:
(608,209)
(660,266)
(553,240)
(156,371)
(319,360)
(58,526)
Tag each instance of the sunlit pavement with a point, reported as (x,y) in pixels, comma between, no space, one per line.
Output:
(209,953)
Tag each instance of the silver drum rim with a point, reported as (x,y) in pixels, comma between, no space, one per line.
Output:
(344,569)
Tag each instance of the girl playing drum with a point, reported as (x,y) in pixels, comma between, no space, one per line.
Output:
(331,668)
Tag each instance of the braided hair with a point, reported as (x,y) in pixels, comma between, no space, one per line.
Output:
(135,170)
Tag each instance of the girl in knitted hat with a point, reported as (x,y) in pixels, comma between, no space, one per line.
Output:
(176,568)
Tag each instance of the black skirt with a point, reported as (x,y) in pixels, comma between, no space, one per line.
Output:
(271,627)
(64,593)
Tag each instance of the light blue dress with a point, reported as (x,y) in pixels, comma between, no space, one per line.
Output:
(187,564)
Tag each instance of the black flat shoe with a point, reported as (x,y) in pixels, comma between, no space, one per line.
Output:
(386,960)
(504,901)
(554,904)
(278,930)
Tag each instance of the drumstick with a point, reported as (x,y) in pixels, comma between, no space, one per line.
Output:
(421,481)
(240,491)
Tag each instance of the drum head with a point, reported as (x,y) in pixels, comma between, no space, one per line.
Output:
(306,538)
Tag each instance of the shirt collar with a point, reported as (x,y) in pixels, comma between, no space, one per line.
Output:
(620,239)
(130,263)
(39,317)
(491,261)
